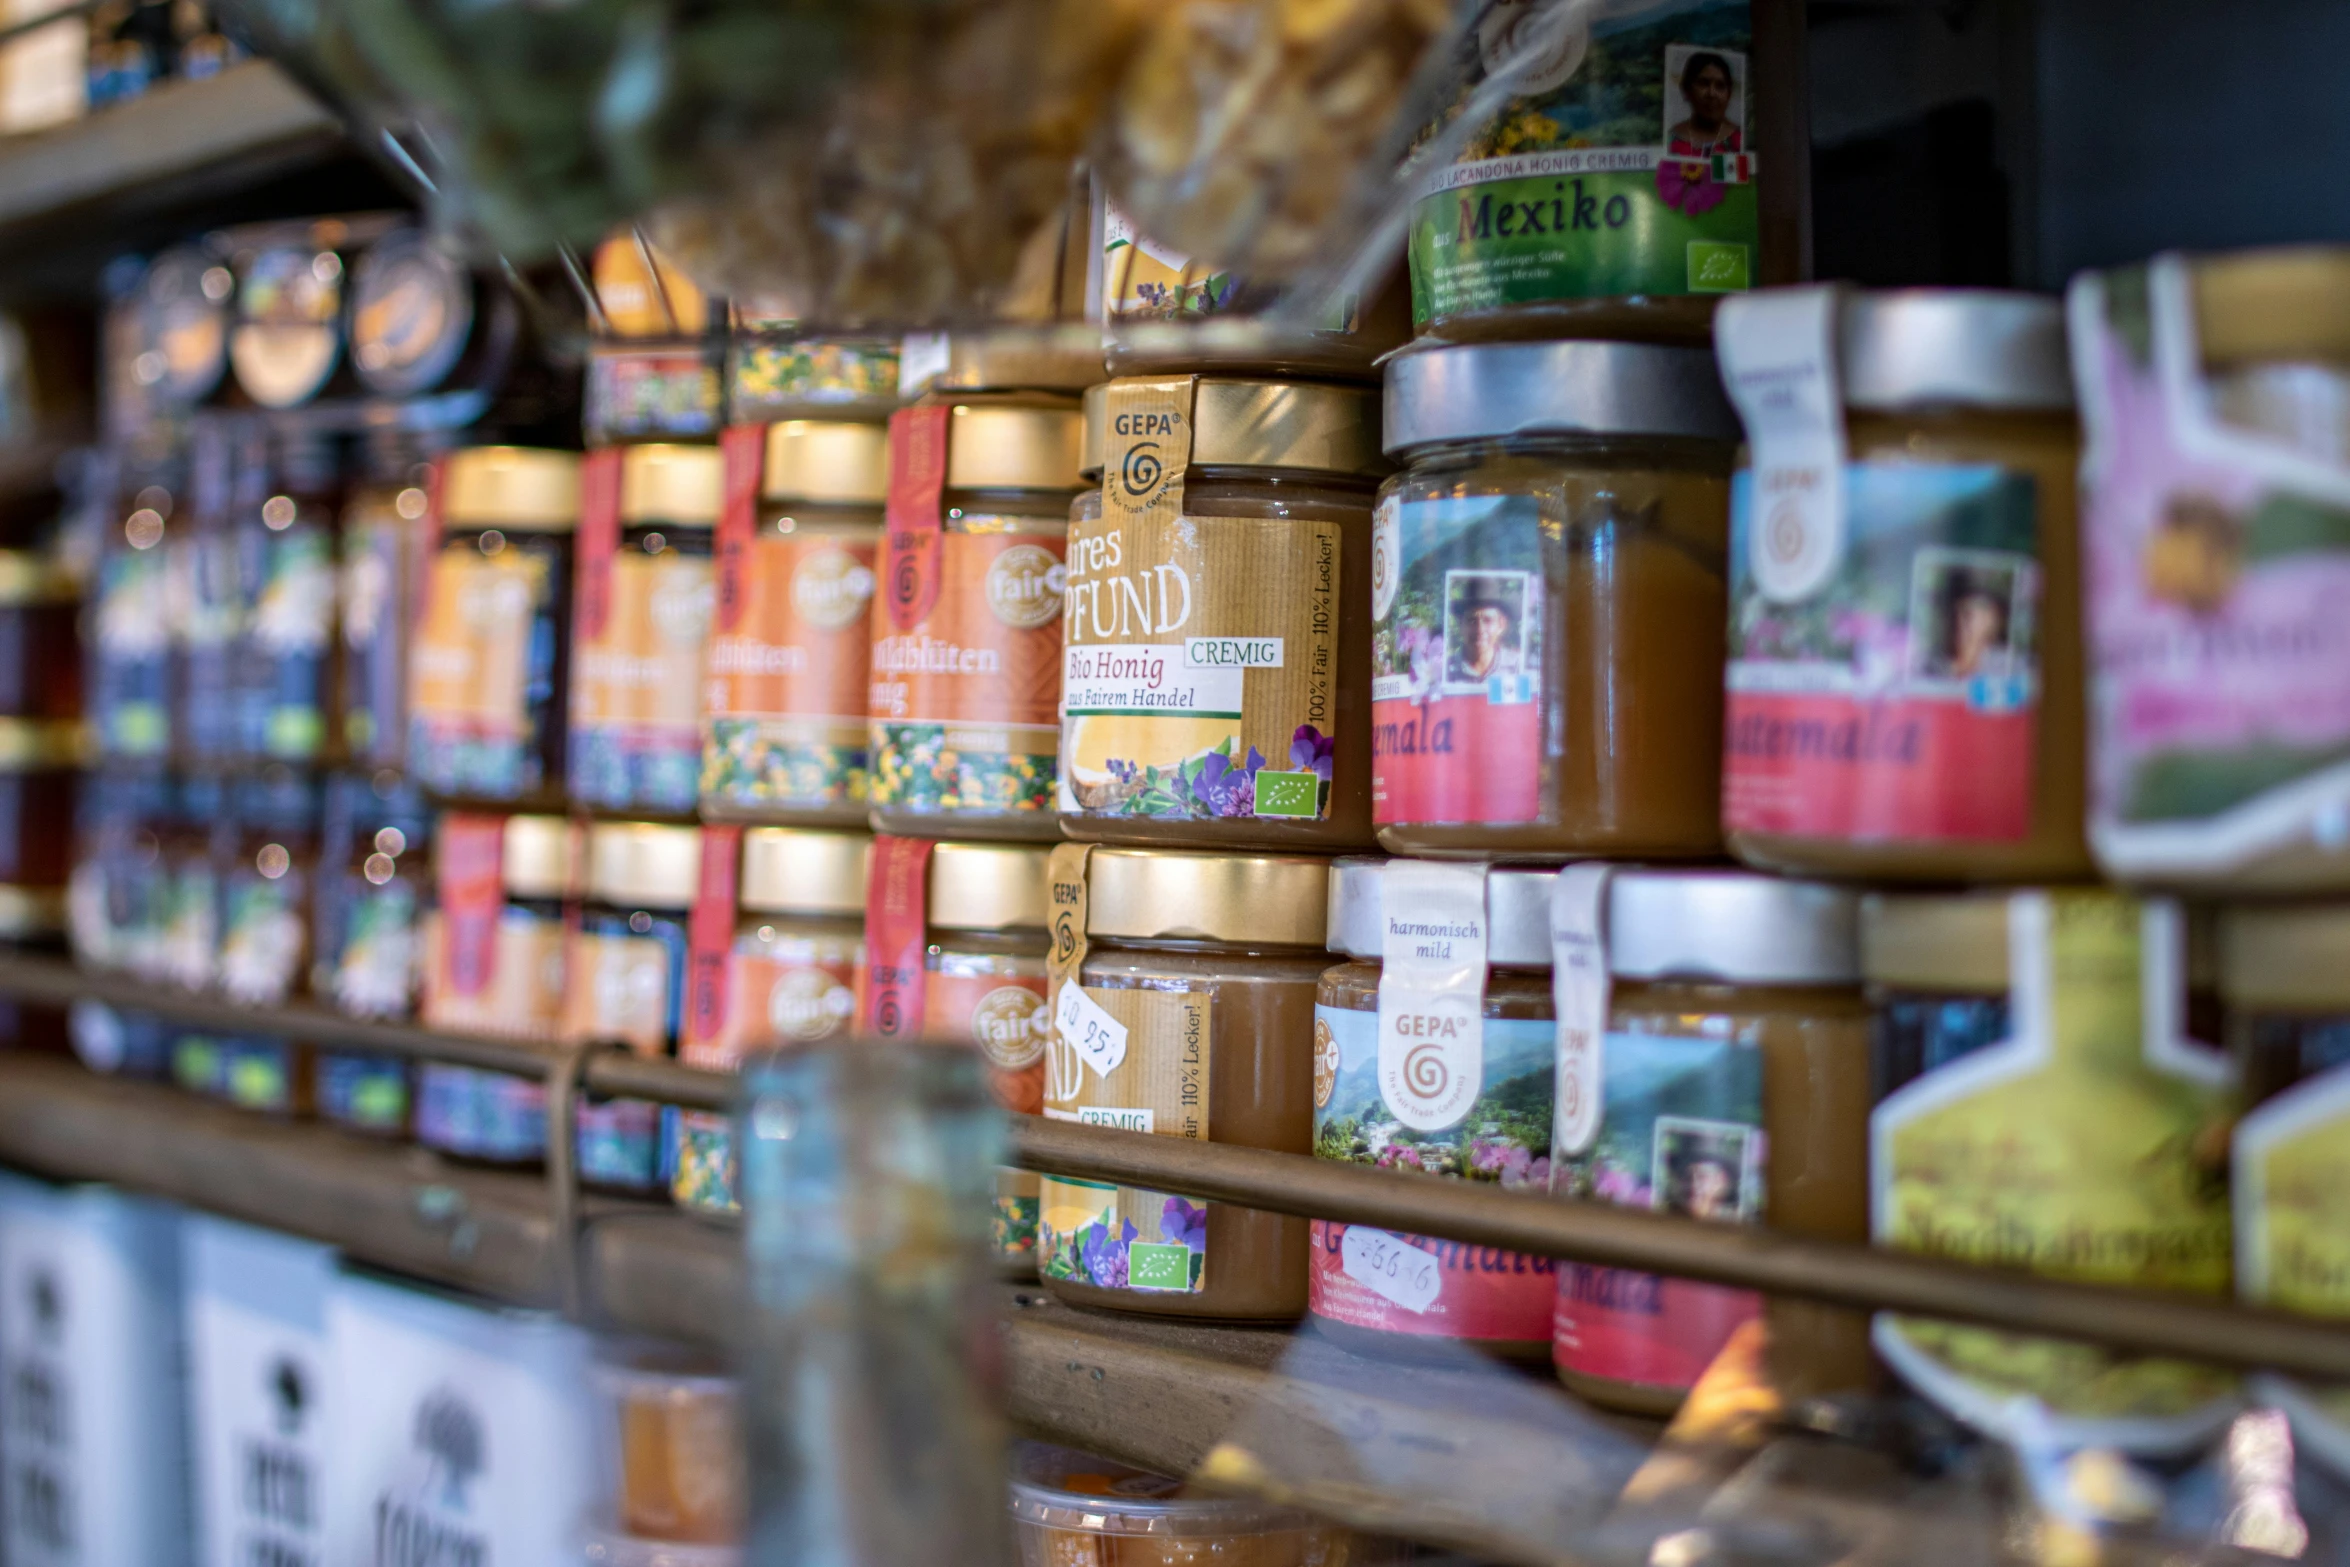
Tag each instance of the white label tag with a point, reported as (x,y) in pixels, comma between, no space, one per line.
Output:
(1098,1038)
(1431,992)
(922,359)
(1386,555)
(1579,995)
(1391,1267)
(1232,652)
(1778,352)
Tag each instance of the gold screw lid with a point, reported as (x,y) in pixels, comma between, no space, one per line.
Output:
(1171,894)
(787,870)
(644,864)
(987,886)
(677,484)
(1030,444)
(1094,440)
(2282,304)
(516,487)
(1284,424)
(2294,958)
(1949,942)
(1066,358)
(30,744)
(827,460)
(535,860)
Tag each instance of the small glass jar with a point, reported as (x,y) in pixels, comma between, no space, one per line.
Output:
(267,886)
(636,682)
(775,372)
(1547,602)
(791,978)
(625,981)
(984,984)
(419,322)
(285,676)
(1910,709)
(1214,685)
(40,647)
(965,692)
(494,964)
(288,336)
(382,542)
(1361,1292)
(374,883)
(131,632)
(492,645)
(675,1441)
(784,722)
(1070,1507)
(1732,1085)
(2051,1096)
(1208,964)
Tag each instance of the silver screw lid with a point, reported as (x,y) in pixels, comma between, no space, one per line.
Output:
(1733,928)
(1979,347)
(1485,391)
(1517,912)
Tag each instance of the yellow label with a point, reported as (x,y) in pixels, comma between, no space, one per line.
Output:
(2292,1170)
(2088,1145)
(471,658)
(645,668)
(1122,1237)
(1148,425)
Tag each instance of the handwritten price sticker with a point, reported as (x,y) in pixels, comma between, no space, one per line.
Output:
(1098,1038)
(1391,1266)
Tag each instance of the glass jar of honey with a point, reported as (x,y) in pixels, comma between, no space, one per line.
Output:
(966,676)
(1904,681)
(1214,684)
(784,726)
(1547,601)
(625,981)
(1197,980)
(491,650)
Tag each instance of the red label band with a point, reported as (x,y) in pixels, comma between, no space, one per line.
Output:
(710,937)
(917,495)
(897,935)
(742,455)
(598,541)
(1628,1326)
(1456,759)
(1905,769)
(1486,1293)
(469,855)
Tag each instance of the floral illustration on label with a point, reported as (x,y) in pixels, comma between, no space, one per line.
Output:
(1456,661)
(1625,165)
(376,973)
(1898,700)
(785,692)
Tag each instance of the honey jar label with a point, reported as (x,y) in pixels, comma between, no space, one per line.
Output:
(130,687)
(625,986)
(795,377)
(1456,660)
(1679,1130)
(2216,553)
(1003,1014)
(262,938)
(503,976)
(635,735)
(702,1167)
(779,1000)
(190,949)
(784,702)
(637,394)
(914,513)
(1898,700)
(709,968)
(367,1092)
(1624,164)
(897,934)
(2123,1179)
(470,667)
(1122,1237)
(619,1143)
(1201,669)
(1432,993)
(375,975)
(1373,1278)
(482,1115)
(2291,1167)
(289,625)
(965,705)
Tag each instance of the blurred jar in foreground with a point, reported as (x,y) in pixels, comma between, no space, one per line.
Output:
(2215,400)
(2050,1098)
(486,716)
(1904,687)
(625,981)
(1547,602)
(1070,1507)
(792,970)
(494,964)
(875,1432)
(1730,1084)
(784,736)
(675,1444)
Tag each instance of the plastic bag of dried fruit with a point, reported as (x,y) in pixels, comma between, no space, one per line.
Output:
(897,161)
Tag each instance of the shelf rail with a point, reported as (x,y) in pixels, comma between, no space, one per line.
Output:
(1471,1213)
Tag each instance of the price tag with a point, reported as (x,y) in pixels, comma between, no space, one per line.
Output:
(1098,1038)
(1391,1267)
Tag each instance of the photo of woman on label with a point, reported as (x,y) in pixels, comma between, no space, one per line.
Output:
(1964,623)
(1706,92)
